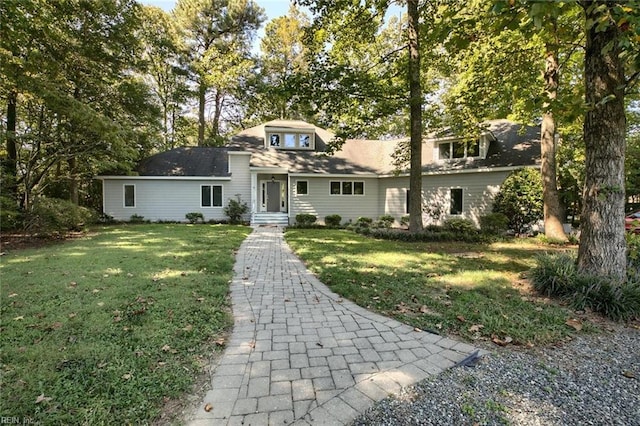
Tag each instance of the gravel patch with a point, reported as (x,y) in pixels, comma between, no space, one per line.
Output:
(593,380)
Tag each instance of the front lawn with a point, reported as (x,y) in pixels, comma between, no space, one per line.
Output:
(477,291)
(107,329)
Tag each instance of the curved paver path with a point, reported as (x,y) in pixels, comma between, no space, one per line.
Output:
(301,354)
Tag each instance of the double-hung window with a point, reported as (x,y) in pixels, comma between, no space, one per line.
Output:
(459,149)
(455,207)
(129,195)
(211,196)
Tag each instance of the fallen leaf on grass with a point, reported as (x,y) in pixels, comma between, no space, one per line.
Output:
(127,376)
(495,339)
(475,328)
(208,407)
(220,341)
(629,374)
(12,295)
(188,327)
(461,318)
(20,318)
(576,324)
(42,398)
(72,315)
(200,299)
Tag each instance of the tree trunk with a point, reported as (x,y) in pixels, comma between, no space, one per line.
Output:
(602,249)
(202,91)
(217,112)
(415,108)
(551,201)
(11,165)
(73,181)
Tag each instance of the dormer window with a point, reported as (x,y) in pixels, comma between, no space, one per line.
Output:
(457,149)
(290,138)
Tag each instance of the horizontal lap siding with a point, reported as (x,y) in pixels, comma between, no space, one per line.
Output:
(240,184)
(321,203)
(161,199)
(479,190)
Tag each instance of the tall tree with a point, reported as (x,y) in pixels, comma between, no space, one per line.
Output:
(415,112)
(612,49)
(212,30)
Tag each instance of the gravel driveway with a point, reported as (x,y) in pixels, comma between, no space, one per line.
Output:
(593,380)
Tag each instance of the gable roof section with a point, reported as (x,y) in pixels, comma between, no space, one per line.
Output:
(253,137)
(510,145)
(187,161)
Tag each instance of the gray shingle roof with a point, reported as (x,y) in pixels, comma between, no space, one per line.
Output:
(187,161)
(511,145)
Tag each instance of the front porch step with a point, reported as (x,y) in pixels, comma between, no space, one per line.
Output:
(258,219)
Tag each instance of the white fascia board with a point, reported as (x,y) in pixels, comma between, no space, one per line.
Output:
(335,175)
(269,170)
(221,178)
(465,171)
(239,153)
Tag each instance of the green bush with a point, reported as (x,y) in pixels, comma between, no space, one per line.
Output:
(194,217)
(10,214)
(235,210)
(520,199)
(333,220)
(50,216)
(385,221)
(305,219)
(404,221)
(494,224)
(458,225)
(136,218)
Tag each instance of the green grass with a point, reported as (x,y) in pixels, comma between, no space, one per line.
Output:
(108,328)
(472,290)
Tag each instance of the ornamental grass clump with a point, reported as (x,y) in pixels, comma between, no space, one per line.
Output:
(556,275)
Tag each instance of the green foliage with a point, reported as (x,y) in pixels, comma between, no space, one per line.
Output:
(520,199)
(460,226)
(494,224)
(194,217)
(112,326)
(50,216)
(404,220)
(305,219)
(333,220)
(136,218)
(235,210)
(385,221)
(557,275)
(10,214)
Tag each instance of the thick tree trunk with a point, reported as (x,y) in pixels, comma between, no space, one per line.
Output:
(551,201)
(202,91)
(415,106)
(602,242)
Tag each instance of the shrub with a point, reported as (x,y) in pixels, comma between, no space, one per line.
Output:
(235,209)
(305,219)
(194,217)
(54,216)
(333,220)
(10,215)
(385,221)
(520,199)
(136,218)
(494,224)
(458,225)
(404,221)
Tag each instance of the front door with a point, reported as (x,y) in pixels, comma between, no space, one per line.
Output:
(273,196)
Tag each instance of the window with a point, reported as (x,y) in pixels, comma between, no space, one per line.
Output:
(347,188)
(456,201)
(459,149)
(129,195)
(302,187)
(211,196)
(290,140)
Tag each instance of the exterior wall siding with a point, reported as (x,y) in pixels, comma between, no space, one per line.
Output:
(240,184)
(479,190)
(162,199)
(321,203)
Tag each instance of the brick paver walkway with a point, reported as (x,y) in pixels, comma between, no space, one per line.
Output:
(301,354)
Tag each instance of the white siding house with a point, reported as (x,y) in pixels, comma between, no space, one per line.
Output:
(280,169)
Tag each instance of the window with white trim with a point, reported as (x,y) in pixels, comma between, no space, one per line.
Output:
(290,140)
(346,187)
(456,201)
(302,187)
(459,149)
(211,196)
(129,195)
